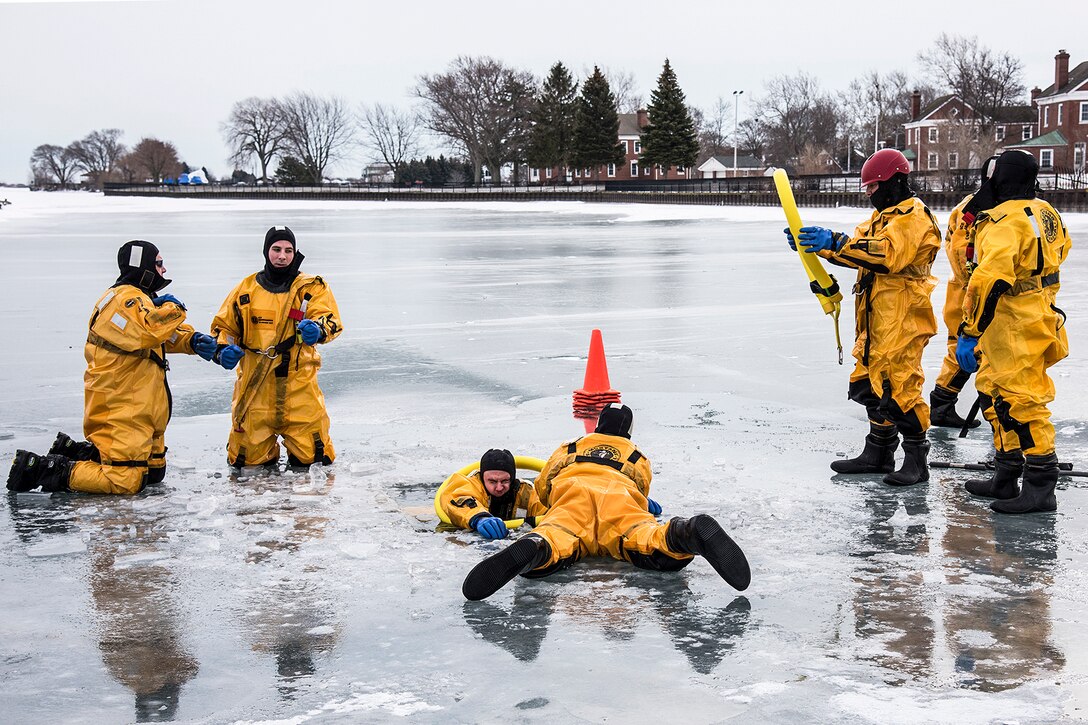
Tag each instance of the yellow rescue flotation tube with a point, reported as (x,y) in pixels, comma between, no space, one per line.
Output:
(523,463)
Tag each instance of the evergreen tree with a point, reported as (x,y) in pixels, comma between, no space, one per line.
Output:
(670,139)
(597,125)
(552,135)
(292,172)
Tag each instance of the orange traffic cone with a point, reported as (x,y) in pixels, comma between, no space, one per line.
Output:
(596,392)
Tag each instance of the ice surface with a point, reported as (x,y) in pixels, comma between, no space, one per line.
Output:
(328,596)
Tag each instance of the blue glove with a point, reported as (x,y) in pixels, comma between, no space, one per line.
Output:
(818,239)
(965,353)
(167,298)
(310,331)
(789,239)
(653,507)
(203,345)
(490,527)
(230,355)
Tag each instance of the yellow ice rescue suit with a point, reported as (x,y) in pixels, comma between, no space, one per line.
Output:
(126,397)
(466,496)
(1011,307)
(893,253)
(596,490)
(956,241)
(276,393)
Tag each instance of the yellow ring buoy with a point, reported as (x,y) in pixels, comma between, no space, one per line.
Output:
(527,463)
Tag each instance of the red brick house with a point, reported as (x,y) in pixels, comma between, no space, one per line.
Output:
(1062,115)
(630,137)
(947,134)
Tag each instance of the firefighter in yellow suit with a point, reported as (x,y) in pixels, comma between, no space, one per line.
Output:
(486,499)
(1012,323)
(893,252)
(596,489)
(126,397)
(268,327)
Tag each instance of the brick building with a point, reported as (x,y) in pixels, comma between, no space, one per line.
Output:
(1062,117)
(947,135)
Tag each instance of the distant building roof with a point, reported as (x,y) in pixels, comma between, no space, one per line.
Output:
(725,161)
(629,124)
(1076,76)
(1016,114)
(1054,138)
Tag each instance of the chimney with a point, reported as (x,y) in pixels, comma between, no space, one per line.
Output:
(644,115)
(1061,70)
(915,105)
(1035,97)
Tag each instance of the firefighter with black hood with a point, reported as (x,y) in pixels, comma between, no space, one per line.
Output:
(486,499)
(958,245)
(126,396)
(893,252)
(1013,331)
(597,490)
(268,328)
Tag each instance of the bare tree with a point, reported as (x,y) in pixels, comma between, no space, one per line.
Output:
(625,89)
(752,137)
(796,112)
(714,128)
(255,129)
(987,81)
(155,159)
(97,153)
(392,134)
(483,107)
(317,131)
(53,164)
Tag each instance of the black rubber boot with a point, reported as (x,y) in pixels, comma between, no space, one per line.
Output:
(1005,483)
(29,470)
(1037,493)
(878,455)
(73,450)
(915,463)
(704,536)
(492,574)
(942,410)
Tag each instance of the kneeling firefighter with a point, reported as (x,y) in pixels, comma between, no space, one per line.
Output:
(126,396)
(596,488)
(893,252)
(268,327)
(1013,331)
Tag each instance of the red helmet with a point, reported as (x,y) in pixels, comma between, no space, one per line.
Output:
(883,165)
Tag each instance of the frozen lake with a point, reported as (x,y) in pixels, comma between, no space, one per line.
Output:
(298,598)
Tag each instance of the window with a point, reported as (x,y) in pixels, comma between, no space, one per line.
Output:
(681,170)
(953,160)
(634,169)
(611,170)
(952,135)
(933,134)
(548,173)
(646,171)
(1061,107)
(1046,116)
(624,147)
(974,133)
(1084,111)
(933,160)
(638,147)
(1078,156)
(578,173)
(1000,134)
(1046,158)
(1025,133)
(534,174)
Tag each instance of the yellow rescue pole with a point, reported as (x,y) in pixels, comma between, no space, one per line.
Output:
(820,282)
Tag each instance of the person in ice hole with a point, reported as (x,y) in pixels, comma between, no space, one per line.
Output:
(127,399)
(268,328)
(596,489)
(485,499)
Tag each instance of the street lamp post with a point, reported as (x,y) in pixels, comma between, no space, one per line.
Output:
(736,102)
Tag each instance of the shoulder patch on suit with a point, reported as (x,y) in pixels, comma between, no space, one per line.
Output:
(119,320)
(465,502)
(1050,224)
(243,299)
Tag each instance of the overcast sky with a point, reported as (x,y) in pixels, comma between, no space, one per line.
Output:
(172,69)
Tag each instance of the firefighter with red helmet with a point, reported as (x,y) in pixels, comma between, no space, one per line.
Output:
(893,252)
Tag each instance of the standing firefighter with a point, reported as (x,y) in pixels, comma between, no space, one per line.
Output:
(126,397)
(893,252)
(597,488)
(958,241)
(1012,322)
(268,327)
